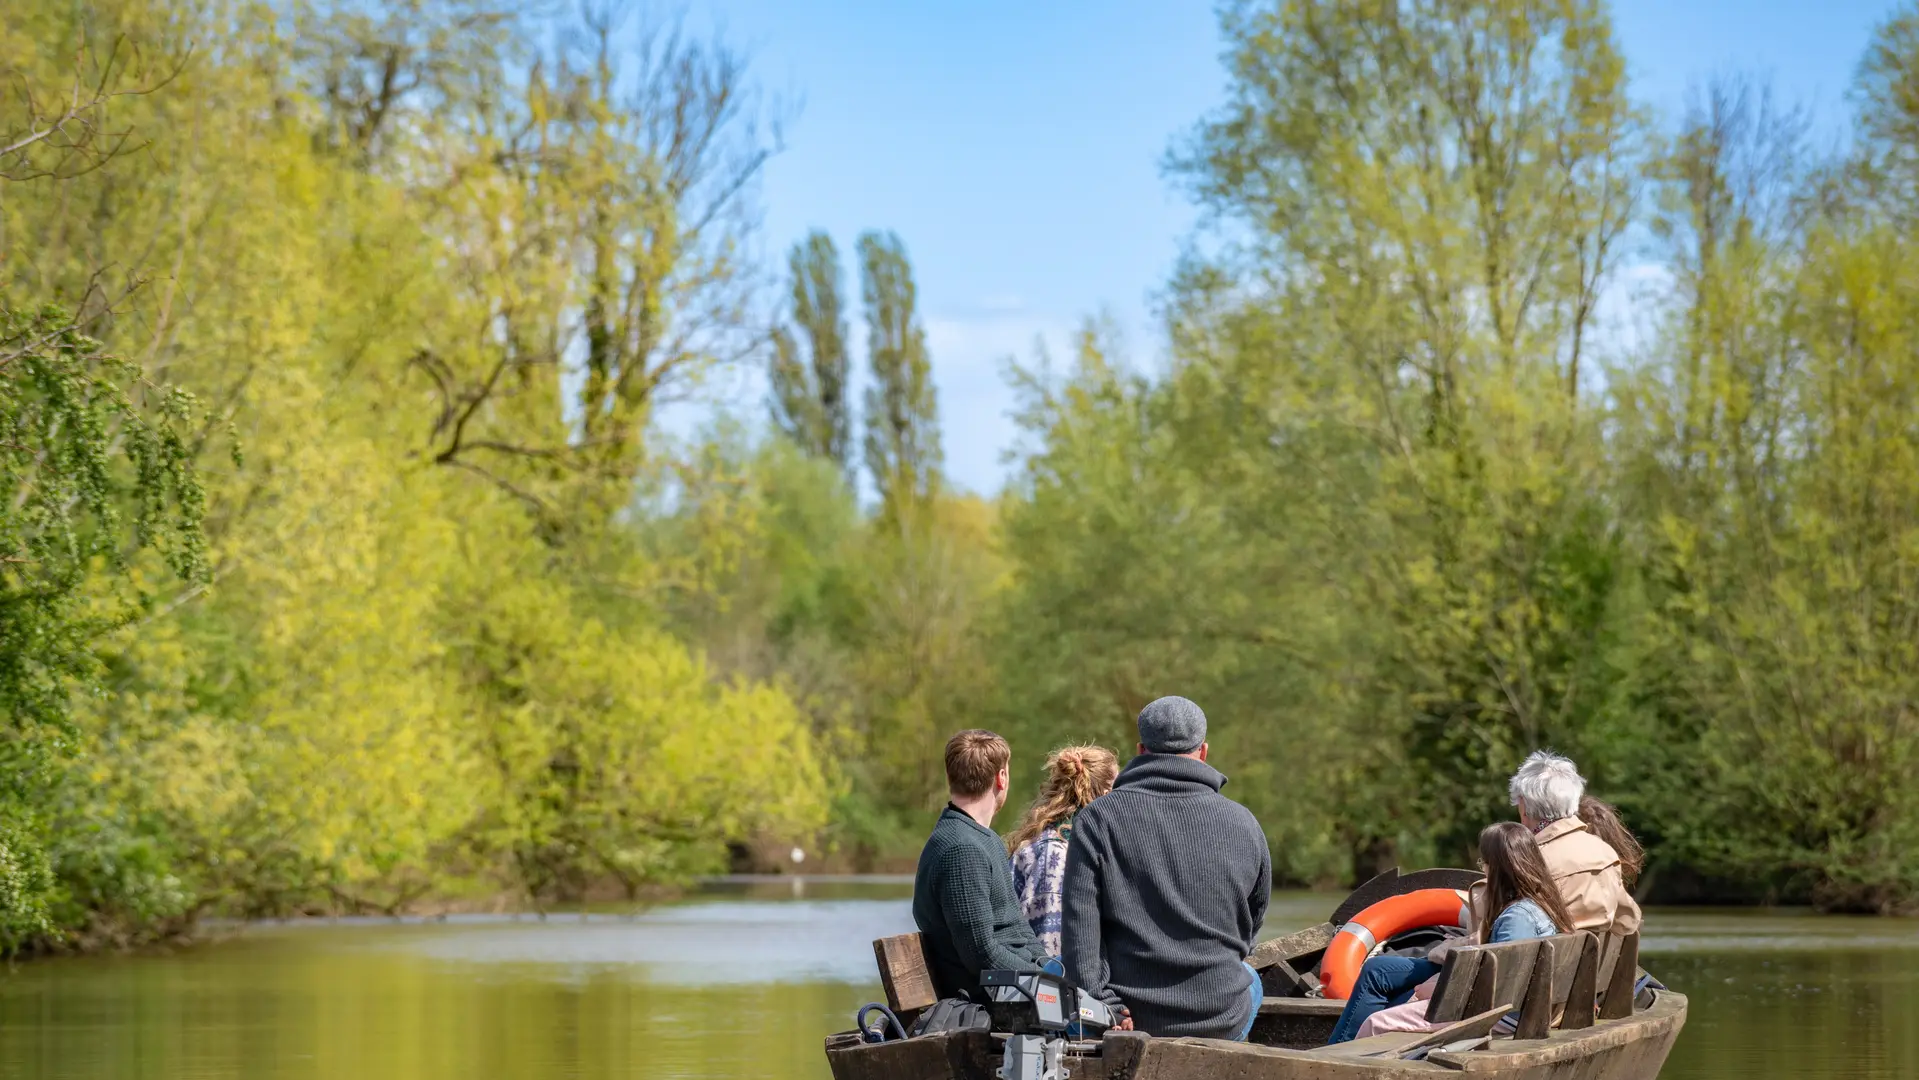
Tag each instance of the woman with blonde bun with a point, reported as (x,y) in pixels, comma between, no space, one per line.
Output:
(1075,776)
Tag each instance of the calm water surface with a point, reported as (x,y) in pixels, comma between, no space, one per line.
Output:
(744,982)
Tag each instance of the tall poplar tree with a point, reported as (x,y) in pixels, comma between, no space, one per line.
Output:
(902,408)
(809,394)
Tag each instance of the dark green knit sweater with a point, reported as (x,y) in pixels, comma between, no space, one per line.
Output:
(964,904)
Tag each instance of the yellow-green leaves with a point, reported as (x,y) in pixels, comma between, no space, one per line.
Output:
(420,658)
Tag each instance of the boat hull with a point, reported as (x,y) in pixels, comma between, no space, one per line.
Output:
(1634,1048)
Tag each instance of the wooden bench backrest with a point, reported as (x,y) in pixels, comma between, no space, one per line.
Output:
(1618,972)
(1565,974)
(1478,977)
(1542,977)
(1538,971)
(904,973)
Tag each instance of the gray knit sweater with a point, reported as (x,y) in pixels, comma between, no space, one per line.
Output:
(1166,887)
(963,901)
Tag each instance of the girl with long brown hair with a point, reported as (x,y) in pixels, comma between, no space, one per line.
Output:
(1518,901)
(1075,776)
(1520,894)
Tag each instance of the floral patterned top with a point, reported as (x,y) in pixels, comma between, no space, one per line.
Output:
(1039,866)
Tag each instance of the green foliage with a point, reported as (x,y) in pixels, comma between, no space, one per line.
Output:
(418,654)
(461,625)
(1773,455)
(1376,401)
(1381,519)
(90,478)
(872,625)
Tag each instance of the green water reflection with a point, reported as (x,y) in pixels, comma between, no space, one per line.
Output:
(745,981)
(1791,995)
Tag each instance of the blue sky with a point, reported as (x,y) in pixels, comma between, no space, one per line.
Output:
(1017,147)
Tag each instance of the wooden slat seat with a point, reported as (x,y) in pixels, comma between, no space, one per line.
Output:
(1371,1045)
(1475,1026)
(1402,1044)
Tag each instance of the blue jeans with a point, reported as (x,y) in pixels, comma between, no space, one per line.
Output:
(1385,981)
(1259,995)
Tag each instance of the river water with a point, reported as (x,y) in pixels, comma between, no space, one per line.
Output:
(744,981)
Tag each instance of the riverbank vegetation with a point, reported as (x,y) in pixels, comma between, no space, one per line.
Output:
(347,568)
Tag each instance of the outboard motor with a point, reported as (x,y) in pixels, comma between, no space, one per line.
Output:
(1042,1013)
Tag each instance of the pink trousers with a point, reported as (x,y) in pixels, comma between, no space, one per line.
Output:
(1408,1017)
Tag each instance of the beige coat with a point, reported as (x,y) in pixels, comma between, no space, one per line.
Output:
(1590,881)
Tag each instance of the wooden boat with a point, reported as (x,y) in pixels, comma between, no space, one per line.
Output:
(1616,1035)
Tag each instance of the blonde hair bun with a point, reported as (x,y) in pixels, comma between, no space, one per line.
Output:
(1075,776)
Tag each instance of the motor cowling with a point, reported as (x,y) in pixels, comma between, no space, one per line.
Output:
(1039,1003)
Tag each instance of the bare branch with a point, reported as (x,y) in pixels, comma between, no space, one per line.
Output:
(75,140)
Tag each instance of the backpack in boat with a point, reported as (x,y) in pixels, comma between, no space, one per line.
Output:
(951,1014)
(1419,941)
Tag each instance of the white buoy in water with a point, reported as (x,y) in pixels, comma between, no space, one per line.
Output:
(798,856)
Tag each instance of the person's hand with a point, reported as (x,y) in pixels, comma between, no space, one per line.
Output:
(1125,1023)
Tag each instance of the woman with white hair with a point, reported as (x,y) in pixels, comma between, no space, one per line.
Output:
(1547,789)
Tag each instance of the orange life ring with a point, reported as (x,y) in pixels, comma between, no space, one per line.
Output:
(1395,914)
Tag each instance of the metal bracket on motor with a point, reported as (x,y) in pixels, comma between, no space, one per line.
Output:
(1033,1057)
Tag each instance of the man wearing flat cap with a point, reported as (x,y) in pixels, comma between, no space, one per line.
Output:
(1166,887)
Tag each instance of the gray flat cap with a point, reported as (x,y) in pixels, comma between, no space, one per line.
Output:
(1171,725)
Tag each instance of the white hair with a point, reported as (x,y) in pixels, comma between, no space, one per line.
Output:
(1547,787)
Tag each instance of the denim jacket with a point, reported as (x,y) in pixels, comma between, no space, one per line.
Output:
(1522,919)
